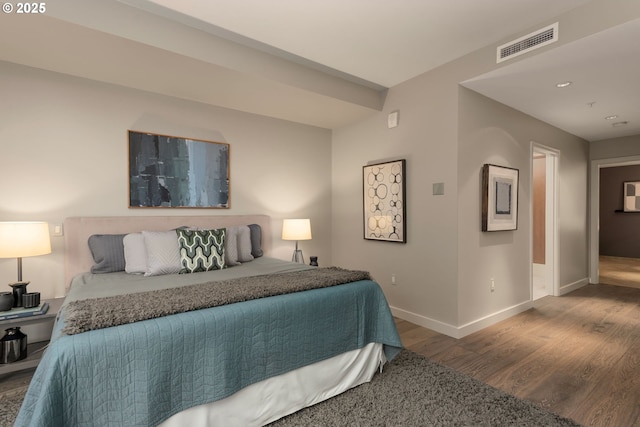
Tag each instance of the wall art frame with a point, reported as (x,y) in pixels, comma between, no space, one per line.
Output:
(499,198)
(631,196)
(384,201)
(176,172)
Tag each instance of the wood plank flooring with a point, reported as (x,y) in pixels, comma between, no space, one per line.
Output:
(15,382)
(577,355)
(619,271)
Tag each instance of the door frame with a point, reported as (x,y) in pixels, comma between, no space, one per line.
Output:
(594,208)
(552,156)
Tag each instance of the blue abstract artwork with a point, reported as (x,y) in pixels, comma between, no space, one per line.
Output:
(173,172)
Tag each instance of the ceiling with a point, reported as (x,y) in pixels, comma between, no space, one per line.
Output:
(381,41)
(355,49)
(604,93)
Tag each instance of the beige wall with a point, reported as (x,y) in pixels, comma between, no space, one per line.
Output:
(494,133)
(446,133)
(443,272)
(64,153)
(426,266)
(613,148)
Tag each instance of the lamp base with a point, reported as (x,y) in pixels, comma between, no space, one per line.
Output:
(297,256)
(19,289)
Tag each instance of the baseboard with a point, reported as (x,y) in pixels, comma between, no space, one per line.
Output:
(464,330)
(425,322)
(493,318)
(573,286)
(476,325)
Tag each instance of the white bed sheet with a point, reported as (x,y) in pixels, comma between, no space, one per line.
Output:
(276,397)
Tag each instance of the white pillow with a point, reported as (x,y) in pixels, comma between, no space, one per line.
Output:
(163,252)
(244,244)
(135,253)
(231,246)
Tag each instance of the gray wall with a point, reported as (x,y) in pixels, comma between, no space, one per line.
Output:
(619,231)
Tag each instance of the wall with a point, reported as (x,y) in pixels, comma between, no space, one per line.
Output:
(613,148)
(618,230)
(491,132)
(446,133)
(64,153)
(603,154)
(426,266)
(607,156)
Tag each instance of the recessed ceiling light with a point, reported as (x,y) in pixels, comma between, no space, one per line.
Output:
(563,84)
(614,116)
(617,124)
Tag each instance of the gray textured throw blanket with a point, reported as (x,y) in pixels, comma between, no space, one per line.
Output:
(98,313)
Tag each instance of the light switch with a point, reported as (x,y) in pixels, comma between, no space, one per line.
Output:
(392,119)
(57,230)
(438,188)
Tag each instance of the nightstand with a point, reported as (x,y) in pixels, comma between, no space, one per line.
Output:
(34,349)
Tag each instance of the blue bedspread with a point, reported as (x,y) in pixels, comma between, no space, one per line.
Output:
(142,373)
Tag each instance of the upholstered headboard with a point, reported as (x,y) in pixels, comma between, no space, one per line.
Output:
(77,231)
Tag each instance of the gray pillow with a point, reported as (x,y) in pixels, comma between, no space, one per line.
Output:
(256,240)
(108,253)
(244,244)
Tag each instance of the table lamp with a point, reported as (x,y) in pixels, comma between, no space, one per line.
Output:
(23,239)
(296,229)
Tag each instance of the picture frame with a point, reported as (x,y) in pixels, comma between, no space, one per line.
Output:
(384,202)
(631,196)
(499,198)
(177,172)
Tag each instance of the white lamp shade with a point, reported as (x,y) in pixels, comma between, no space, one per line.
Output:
(23,239)
(296,229)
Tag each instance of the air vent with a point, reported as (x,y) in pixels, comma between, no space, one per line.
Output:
(528,43)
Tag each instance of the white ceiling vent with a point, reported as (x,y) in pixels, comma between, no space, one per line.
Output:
(528,43)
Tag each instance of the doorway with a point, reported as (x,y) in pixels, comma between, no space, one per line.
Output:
(619,254)
(544,167)
(594,209)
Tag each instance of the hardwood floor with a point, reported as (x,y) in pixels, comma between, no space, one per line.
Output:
(619,271)
(577,355)
(15,381)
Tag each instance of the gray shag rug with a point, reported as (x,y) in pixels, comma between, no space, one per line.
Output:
(415,391)
(411,391)
(10,405)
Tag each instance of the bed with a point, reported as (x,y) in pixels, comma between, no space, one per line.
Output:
(249,360)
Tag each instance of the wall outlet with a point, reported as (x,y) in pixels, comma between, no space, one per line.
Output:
(493,285)
(393,280)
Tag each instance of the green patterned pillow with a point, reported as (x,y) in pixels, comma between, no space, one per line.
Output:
(201,250)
